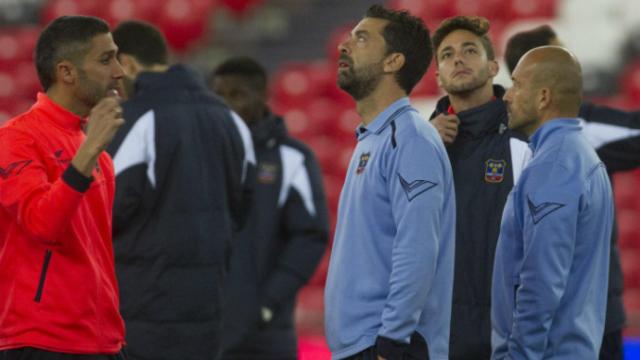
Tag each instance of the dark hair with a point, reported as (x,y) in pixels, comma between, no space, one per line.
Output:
(475,24)
(520,43)
(65,38)
(408,35)
(143,41)
(245,67)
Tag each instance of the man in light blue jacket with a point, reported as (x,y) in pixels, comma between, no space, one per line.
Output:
(552,260)
(388,292)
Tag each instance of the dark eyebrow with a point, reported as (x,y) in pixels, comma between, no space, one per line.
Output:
(446,48)
(361,32)
(469,43)
(109,53)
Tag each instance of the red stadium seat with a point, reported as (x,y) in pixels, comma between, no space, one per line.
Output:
(57,8)
(17,44)
(184,22)
(630,81)
(520,9)
(117,11)
(625,185)
(241,7)
(428,85)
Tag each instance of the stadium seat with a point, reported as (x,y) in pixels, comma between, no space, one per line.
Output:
(116,11)
(183,22)
(521,9)
(241,7)
(56,8)
(630,81)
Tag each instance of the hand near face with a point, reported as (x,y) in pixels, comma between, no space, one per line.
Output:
(104,121)
(447,126)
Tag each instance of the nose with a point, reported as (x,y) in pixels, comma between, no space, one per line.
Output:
(117,72)
(343,47)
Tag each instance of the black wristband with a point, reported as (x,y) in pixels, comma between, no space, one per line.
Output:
(390,349)
(76,180)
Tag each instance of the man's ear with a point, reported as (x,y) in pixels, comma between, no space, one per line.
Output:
(394,62)
(494,67)
(66,72)
(130,65)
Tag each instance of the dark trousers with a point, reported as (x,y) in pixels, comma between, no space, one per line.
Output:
(612,346)
(366,354)
(29,353)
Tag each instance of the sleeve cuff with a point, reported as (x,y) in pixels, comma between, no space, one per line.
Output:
(390,349)
(76,180)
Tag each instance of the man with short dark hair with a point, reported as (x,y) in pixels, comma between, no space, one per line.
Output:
(181,162)
(388,291)
(615,134)
(59,293)
(286,232)
(487,159)
(552,258)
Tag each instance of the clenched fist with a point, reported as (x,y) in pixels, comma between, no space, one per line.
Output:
(447,126)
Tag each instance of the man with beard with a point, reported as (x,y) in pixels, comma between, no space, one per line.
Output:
(615,134)
(486,158)
(180,163)
(552,259)
(59,292)
(388,292)
(286,232)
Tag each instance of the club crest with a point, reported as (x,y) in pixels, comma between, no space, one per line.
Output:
(494,171)
(364,159)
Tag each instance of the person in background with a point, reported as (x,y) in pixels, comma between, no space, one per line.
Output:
(615,134)
(552,260)
(287,230)
(388,291)
(184,165)
(59,295)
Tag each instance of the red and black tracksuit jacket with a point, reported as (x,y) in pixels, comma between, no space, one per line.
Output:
(58,289)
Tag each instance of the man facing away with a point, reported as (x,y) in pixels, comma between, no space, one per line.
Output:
(180,162)
(287,230)
(59,296)
(552,260)
(388,292)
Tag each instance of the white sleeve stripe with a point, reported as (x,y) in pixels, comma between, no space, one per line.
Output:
(520,156)
(295,175)
(599,134)
(247,143)
(138,147)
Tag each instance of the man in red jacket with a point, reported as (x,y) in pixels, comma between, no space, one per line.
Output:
(58,290)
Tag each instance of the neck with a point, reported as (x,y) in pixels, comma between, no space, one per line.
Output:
(549,116)
(158,68)
(371,106)
(67,101)
(469,100)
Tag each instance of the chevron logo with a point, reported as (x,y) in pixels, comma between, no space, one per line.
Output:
(15,166)
(539,212)
(416,187)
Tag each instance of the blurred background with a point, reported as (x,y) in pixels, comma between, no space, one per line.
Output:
(296,40)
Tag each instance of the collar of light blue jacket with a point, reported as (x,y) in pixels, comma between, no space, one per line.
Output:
(559,125)
(383,119)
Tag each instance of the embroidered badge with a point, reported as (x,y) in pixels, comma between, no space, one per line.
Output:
(267,173)
(494,171)
(14,168)
(364,158)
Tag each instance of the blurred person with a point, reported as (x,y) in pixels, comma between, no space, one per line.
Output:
(615,134)
(180,161)
(552,259)
(59,291)
(287,230)
(388,291)
(486,158)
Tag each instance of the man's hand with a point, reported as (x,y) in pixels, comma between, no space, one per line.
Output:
(447,126)
(104,121)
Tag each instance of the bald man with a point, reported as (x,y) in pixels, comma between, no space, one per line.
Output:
(552,259)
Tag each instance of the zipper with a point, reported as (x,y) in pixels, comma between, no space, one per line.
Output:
(43,275)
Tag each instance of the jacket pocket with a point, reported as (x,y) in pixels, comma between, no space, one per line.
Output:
(43,275)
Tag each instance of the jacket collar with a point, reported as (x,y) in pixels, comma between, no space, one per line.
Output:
(380,122)
(481,120)
(59,115)
(553,128)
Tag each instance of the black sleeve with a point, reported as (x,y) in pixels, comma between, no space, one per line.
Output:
(307,235)
(615,134)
